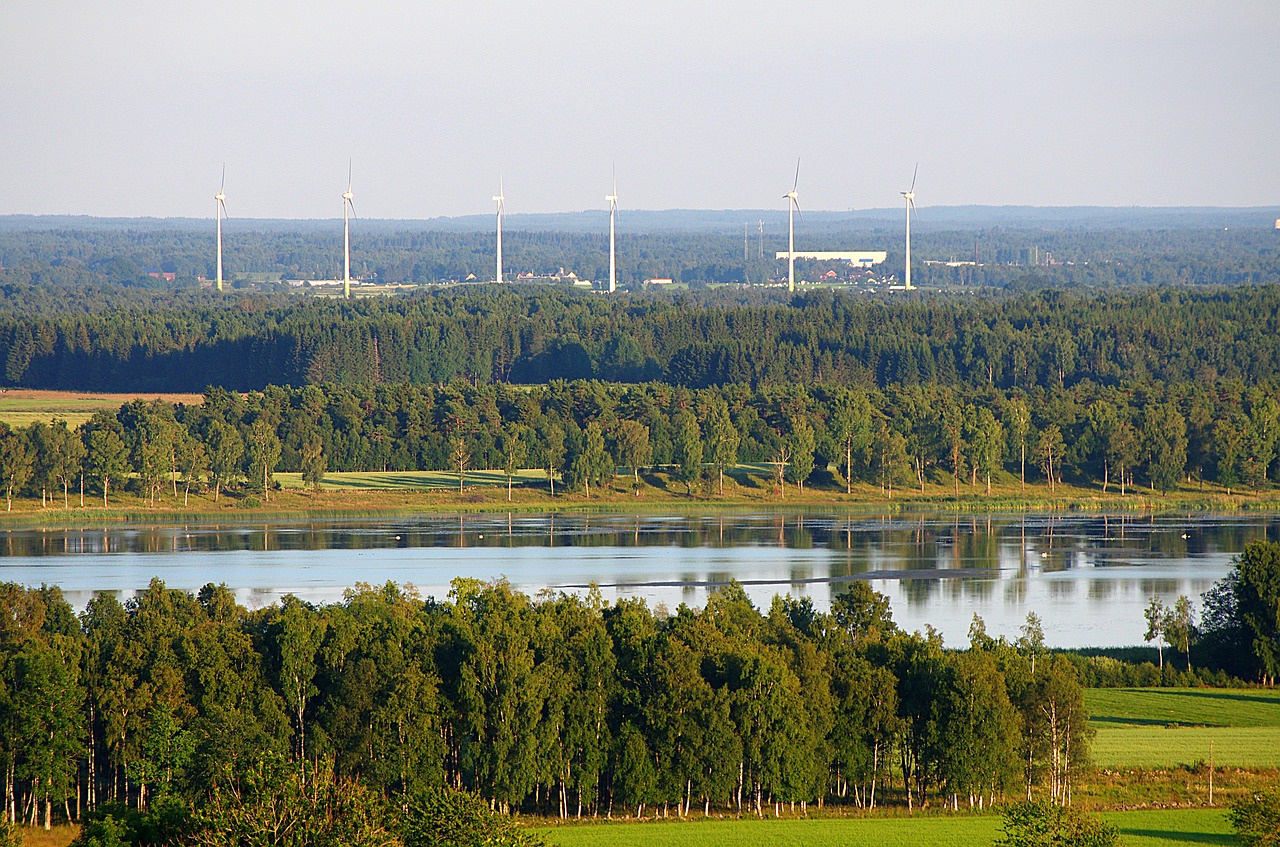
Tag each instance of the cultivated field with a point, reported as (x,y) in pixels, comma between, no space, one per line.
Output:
(22,407)
(412,480)
(1164,728)
(1138,829)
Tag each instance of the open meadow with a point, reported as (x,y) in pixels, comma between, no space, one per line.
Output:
(1143,828)
(23,407)
(1165,728)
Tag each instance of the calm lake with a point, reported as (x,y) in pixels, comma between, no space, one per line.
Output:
(1088,577)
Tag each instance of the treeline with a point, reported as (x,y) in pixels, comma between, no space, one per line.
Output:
(583,434)
(559,705)
(112,342)
(387,252)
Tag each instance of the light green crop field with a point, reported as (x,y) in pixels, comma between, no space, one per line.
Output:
(412,480)
(23,407)
(1147,828)
(1187,706)
(1167,727)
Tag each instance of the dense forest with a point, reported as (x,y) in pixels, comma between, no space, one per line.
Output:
(116,340)
(559,705)
(584,434)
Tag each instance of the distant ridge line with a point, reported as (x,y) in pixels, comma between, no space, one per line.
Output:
(935,218)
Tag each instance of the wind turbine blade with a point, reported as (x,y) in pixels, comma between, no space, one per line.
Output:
(349,178)
(223,204)
(796,184)
(224,178)
(913,177)
(353,209)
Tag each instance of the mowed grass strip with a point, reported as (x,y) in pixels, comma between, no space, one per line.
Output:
(1167,727)
(1240,707)
(1141,747)
(1146,828)
(412,480)
(23,407)
(958,831)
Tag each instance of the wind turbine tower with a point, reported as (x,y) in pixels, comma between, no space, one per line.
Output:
(347,197)
(793,206)
(221,210)
(500,201)
(613,255)
(909,199)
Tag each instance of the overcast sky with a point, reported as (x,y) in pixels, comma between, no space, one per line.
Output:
(131,108)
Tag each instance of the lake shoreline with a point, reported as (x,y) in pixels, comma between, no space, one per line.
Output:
(291,503)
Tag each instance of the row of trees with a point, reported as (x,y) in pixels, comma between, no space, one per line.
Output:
(581,433)
(558,705)
(524,334)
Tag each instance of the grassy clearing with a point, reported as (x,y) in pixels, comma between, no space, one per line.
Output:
(920,831)
(1145,828)
(1244,707)
(413,480)
(1158,747)
(59,836)
(1157,827)
(1141,828)
(1168,728)
(22,407)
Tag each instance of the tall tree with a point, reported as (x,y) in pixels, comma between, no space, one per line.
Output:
(263,453)
(515,449)
(225,449)
(1258,603)
(1180,627)
(1164,435)
(106,456)
(459,458)
(1017,418)
(16,462)
(722,438)
(988,444)
(1050,449)
(294,633)
(1155,615)
(803,443)
(633,446)
(192,461)
(889,454)
(688,449)
(851,424)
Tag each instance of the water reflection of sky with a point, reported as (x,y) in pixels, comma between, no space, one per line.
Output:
(1087,576)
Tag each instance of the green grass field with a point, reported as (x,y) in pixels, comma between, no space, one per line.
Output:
(22,407)
(412,480)
(1148,828)
(1162,727)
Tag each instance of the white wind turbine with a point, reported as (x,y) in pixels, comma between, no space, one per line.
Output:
(221,210)
(347,197)
(909,199)
(501,201)
(613,211)
(793,206)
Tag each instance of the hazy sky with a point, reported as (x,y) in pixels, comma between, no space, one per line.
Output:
(131,108)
